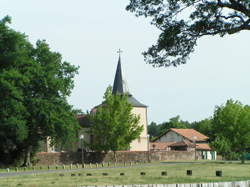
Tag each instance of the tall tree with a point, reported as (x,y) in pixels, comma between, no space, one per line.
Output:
(34,84)
(113,125)
(153,130)
(174,122)
(231,127)
(183,22)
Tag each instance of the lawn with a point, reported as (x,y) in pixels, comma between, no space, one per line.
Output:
(176,173)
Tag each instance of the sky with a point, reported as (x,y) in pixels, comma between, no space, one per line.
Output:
(88,34)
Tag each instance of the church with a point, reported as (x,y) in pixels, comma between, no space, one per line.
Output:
(139,109)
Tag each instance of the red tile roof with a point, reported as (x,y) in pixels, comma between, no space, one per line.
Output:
(82,120)
(190,134)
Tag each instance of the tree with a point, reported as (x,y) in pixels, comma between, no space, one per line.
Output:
(223,146)
(203,126)
(231,127)
(113,125)
(34,84)
(174,122)
(183,22)
(153,130)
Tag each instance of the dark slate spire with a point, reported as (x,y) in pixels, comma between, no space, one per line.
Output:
(118,82)
(119,89)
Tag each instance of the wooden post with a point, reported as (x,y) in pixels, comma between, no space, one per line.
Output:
(189,172)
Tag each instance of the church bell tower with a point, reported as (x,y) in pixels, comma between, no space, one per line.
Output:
(139,109)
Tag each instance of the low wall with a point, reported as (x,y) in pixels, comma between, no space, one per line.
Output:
(216,184)
(122,156)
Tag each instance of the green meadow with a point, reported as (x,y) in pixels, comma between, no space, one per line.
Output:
(176,173)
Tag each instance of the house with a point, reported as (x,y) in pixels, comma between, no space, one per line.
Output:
(184,140)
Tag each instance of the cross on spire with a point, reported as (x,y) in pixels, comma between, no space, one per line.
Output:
(120,52)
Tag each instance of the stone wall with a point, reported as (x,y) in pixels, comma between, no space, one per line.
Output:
(122,156)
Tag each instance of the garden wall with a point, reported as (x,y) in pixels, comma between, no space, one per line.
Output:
(122,156)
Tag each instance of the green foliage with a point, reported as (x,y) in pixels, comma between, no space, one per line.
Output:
(155,130)
(204,127)
(231,127)
(222,145)
(113,125)
(183,22)
(34,84)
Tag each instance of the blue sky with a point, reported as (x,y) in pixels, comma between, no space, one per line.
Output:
(88,34)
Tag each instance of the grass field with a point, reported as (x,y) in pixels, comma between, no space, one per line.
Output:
(176,173)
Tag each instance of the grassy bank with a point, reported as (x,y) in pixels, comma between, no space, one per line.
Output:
(176,173)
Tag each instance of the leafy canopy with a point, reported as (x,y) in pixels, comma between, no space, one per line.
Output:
(34,84)
(113,125)
(231,127)
(156,130)
(182,22)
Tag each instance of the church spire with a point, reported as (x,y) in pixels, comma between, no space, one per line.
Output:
(118,82)
(118,86)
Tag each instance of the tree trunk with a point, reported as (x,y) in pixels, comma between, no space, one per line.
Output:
(243,158)
(27,157)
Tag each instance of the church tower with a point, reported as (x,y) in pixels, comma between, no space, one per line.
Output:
(139,109)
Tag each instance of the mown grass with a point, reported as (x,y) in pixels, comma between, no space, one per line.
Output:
(176,173)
